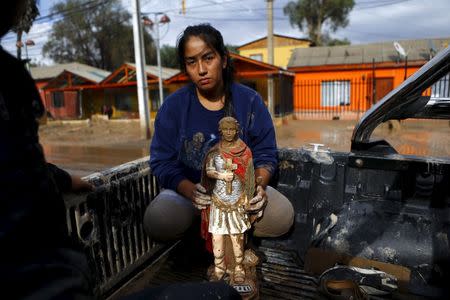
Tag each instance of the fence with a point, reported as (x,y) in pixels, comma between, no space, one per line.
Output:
(440,89)
(109,222)
(332,99)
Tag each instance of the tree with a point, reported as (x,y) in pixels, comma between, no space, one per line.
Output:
(25,22)
(97,33)
(329,41)
(169,57)
(313,14)
(232,48)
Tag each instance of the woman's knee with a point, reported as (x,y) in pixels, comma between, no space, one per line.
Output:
(168,216)
(278,215)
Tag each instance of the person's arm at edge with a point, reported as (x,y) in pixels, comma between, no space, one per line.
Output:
(66,182)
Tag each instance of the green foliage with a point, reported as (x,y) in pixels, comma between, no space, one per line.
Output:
(169,57)
(98,34)
(313,14)
(232,48)
(328,41)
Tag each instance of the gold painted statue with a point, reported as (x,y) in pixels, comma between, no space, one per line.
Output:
(228,176)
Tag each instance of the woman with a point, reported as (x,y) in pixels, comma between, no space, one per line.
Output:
(186,128)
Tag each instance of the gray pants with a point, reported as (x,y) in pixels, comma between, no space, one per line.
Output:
(170,215)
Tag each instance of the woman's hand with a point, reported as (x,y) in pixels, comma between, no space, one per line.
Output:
(258,202)
(195,192)
(201,200)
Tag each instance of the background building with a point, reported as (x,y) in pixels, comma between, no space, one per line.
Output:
(343,81)
(283,47)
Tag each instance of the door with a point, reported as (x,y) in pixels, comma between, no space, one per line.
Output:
(382,87)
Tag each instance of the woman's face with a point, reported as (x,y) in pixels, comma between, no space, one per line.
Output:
(204,65)
(229,131)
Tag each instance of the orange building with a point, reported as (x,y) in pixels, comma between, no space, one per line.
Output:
(344,81)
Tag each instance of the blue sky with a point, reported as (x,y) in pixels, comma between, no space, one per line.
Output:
(241,21)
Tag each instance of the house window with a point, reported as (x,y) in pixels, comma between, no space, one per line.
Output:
(257,56)
(58,99)
(335,93)
(122,102)
(441,89)
(154,98)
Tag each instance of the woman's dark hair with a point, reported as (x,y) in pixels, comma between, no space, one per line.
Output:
(213,38)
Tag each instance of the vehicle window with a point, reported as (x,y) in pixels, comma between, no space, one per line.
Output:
(417,137)
(428,133)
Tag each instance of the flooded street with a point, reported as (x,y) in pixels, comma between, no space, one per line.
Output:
(84,160)
(86,148)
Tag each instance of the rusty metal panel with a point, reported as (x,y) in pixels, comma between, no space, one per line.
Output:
(109,222)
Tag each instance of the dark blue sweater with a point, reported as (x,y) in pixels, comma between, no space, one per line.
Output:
(185,130)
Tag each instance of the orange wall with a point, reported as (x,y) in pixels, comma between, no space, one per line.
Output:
(308,97)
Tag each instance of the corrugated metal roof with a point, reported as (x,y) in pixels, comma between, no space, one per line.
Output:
(153,70)
(359,54)
(88,72)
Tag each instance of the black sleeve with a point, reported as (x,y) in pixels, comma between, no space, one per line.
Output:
(62,178)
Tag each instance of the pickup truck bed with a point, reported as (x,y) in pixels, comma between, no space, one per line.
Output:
(280,273)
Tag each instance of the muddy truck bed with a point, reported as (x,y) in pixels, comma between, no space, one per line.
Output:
(375,209)
(280,274)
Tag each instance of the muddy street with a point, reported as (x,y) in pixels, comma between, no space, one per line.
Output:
(84,147)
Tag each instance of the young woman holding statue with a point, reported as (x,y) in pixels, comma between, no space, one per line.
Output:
(186,127)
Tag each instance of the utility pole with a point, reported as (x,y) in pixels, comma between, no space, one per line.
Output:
(270,92)
(149,23)
(142,87)
(158,56)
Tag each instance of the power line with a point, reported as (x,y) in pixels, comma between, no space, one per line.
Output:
(64,13)
(230,19)
(380,3)
(191,7)
(67,11)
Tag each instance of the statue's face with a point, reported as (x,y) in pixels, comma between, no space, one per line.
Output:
(229,131)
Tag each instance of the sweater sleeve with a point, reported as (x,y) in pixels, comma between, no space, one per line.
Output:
(62,178)
(164,148)
(262,136)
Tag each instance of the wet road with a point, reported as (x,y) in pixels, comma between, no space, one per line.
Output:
(84,160)
(421,138)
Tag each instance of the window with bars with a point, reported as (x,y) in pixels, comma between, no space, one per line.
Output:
(441,89)
(335,93)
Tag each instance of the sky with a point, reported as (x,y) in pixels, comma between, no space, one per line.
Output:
(242,21)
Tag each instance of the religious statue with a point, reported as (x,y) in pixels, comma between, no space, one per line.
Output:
(228,175)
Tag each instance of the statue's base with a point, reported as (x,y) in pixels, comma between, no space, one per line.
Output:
(249,288)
